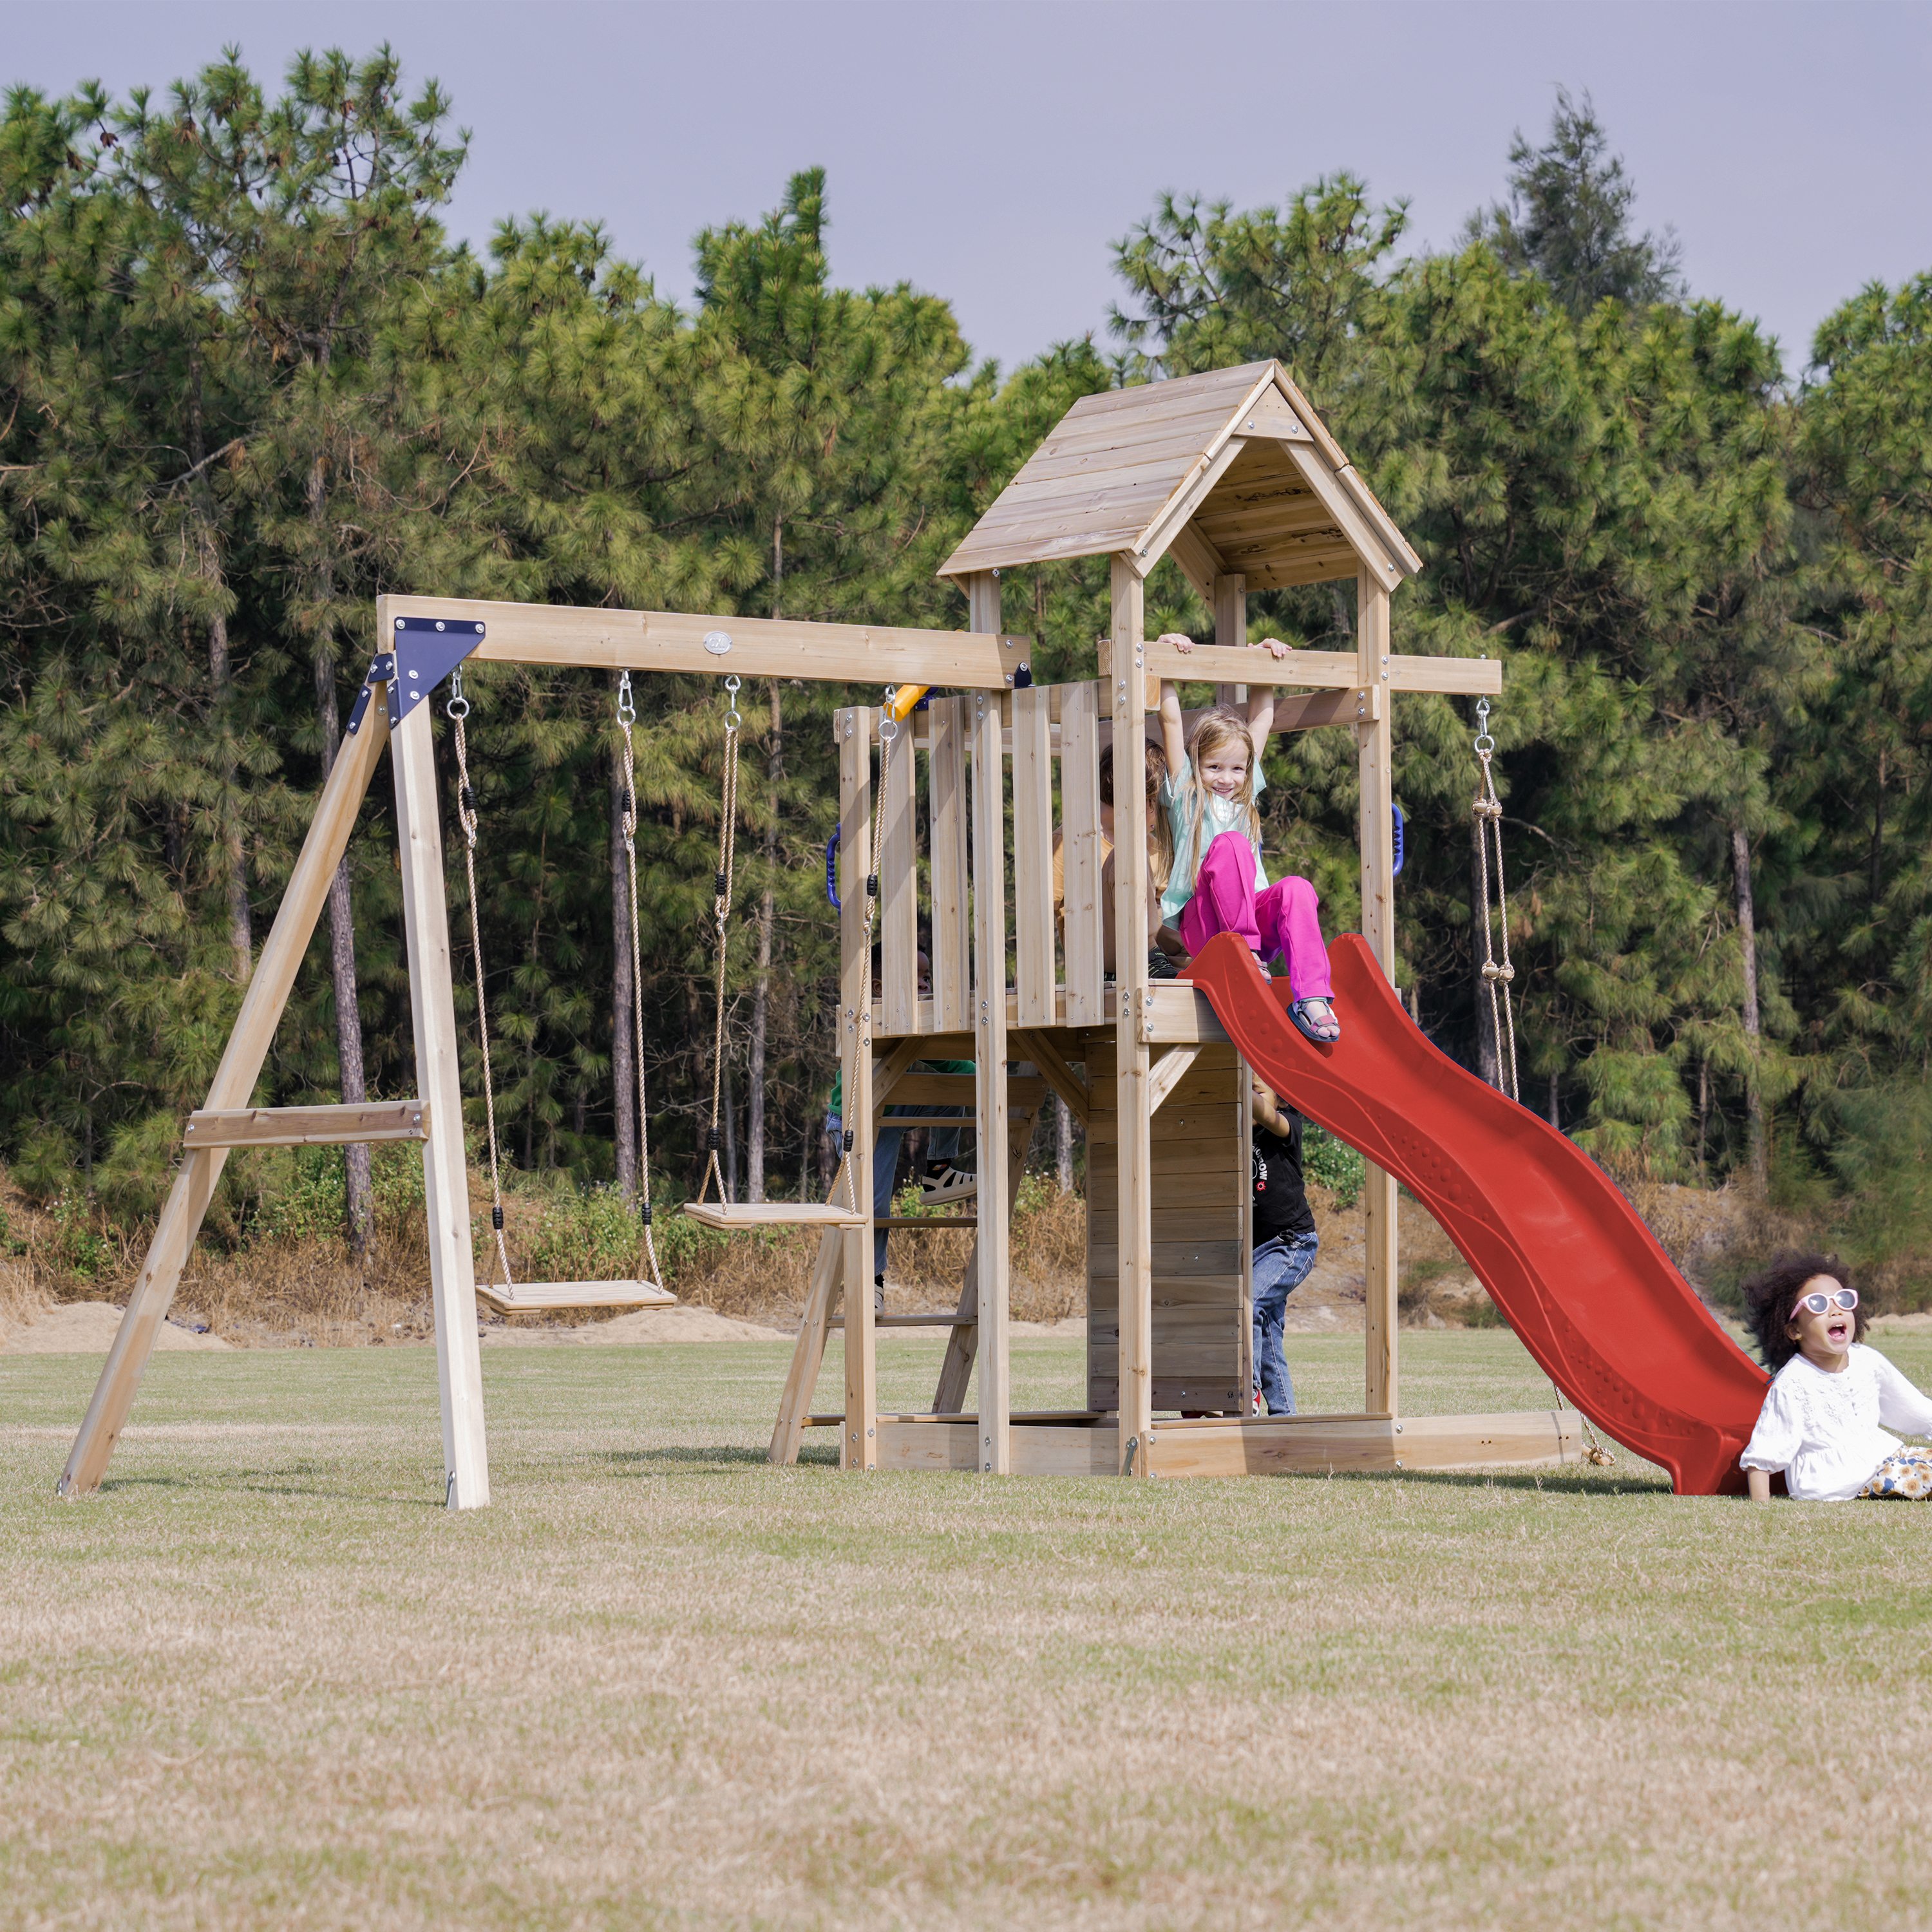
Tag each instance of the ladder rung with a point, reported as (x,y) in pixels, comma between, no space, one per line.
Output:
(933,1321)
(308,1126)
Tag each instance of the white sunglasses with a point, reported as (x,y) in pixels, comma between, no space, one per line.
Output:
(1847,1298)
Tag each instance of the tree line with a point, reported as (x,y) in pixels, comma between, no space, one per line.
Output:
(247,383)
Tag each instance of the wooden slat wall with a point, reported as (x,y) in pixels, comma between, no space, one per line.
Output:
(1035,974)
(898,889)
(1080,710)
(952,938)
(1199,1227)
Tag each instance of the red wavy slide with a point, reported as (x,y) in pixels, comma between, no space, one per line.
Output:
(1580,1279)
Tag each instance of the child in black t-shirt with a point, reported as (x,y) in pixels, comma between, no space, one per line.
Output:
(1284,1240)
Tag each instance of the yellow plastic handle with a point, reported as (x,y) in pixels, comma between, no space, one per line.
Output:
(905,701)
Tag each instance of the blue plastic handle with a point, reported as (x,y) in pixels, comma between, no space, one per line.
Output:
(832,870)
(1397,810)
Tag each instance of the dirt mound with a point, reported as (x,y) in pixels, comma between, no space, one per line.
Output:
(89,1328)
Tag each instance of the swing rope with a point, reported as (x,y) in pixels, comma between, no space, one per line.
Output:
(1488,821)
(728,841)
(458,709)
(627,714)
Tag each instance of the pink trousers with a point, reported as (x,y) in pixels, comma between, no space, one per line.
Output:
(1282,918)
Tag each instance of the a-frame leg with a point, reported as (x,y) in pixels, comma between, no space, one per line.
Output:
(234,1085)
(459,1361)
(807,1355)
(956,1371)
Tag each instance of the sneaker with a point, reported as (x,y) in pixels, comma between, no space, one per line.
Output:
(1160,966)
(1261,968)
(944,1182)
(878,1294)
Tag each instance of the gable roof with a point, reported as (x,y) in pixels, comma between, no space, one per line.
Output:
(1231,470)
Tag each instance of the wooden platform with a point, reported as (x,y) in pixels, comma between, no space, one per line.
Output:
(1258,1446)
(532,1297)
(735,1218)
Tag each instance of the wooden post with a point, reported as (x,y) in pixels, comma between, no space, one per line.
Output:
(1231,628)
(993,1244)
(466,1457)
(1128,697)
(1374,754)
(234,1085)
(859,1444)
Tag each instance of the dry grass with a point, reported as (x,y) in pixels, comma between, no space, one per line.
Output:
(264,1679)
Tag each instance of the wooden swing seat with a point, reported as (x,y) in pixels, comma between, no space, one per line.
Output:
(529,1298)
(736,1217)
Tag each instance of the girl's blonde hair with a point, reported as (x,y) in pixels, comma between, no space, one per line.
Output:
(1214,730)
(1160,840)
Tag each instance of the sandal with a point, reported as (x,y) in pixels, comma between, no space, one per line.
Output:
(1310,1015)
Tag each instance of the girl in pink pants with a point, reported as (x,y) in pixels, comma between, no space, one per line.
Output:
(1218,884)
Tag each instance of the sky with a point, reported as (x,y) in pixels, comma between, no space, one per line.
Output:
(993,152)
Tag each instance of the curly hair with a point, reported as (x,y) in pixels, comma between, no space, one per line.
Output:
(1771,1294)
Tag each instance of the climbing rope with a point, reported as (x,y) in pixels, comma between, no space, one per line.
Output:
(889,732)
(458,709)
(627,715)
(1496,976)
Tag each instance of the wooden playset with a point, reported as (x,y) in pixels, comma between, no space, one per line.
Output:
(1234,475)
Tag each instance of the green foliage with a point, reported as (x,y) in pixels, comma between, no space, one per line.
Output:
(1335,1164)
(246,384)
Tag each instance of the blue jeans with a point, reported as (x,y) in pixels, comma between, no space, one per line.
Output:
(1281,1266)
(944,1144)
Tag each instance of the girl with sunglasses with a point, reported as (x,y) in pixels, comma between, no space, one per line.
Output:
(1820,1424)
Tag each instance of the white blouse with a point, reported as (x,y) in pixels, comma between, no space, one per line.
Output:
(1822,1427)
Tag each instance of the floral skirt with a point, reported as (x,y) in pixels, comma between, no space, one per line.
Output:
(1906,1473)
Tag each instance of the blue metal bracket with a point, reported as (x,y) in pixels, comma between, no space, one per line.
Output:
(426,650)
(381,670)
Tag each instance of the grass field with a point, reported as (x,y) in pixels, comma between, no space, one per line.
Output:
(264,1679)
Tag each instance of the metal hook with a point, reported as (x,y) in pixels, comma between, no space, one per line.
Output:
(732,721)
(458,706)
(627,708)
(1485,744)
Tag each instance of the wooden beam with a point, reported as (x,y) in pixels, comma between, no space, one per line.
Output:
(873,655)
(308,1126)
(1152,545)
(1330,670)
(1375,757)
(1165,1074)
(808,1351)
(858,1446)
(1130,977)
(1200,563)
(1040,1048)
(955,1370)
(247,1047)
(1364,537)
(1230,606)
(888,1070)
(989,1042)
(465,1459)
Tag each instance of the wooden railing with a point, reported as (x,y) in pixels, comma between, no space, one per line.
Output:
(1056,975)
